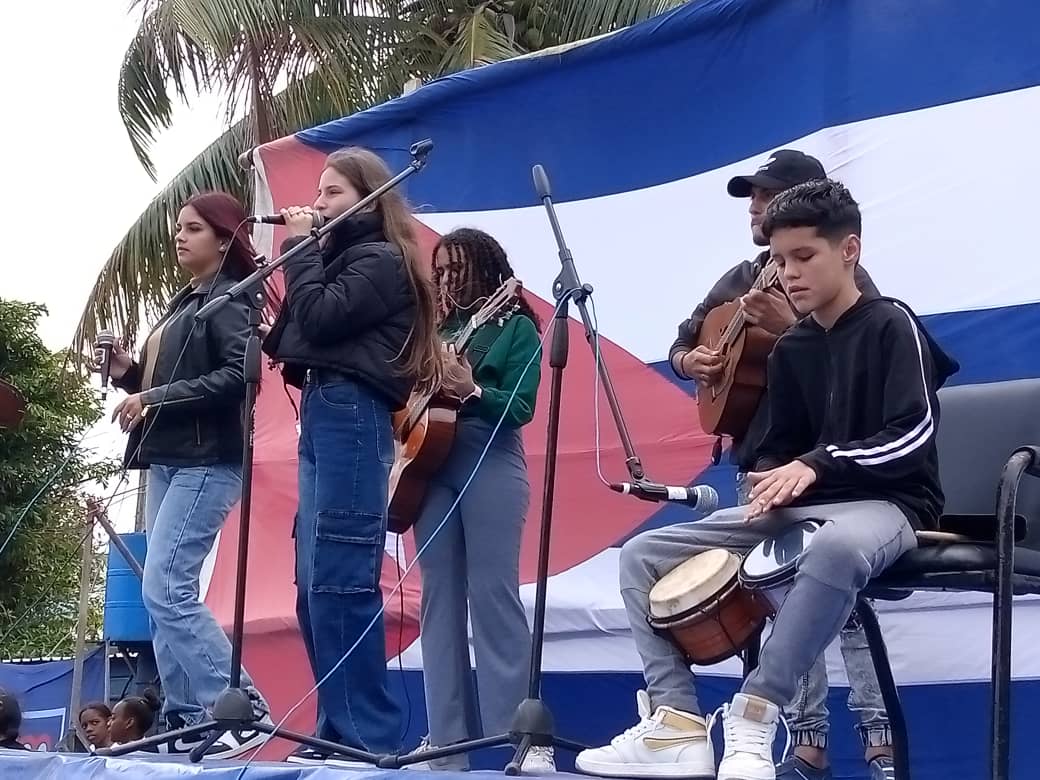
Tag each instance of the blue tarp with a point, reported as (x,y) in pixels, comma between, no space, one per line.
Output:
(62,766)
(44,690)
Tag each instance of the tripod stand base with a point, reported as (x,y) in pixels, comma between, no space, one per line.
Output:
(532,726)
(233,711)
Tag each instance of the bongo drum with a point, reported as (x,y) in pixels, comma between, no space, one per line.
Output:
(768,568)
(704,609)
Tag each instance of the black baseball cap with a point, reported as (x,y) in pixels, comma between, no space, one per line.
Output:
(784,168)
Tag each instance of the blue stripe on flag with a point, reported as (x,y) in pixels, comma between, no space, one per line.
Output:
(690,91)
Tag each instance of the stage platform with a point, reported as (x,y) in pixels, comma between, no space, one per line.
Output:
(31,765)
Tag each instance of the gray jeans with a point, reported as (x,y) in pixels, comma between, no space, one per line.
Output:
(474,561)
(860,540)
(808,716)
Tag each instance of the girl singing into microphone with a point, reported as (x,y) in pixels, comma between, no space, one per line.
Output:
(356,332)
(475,556)
(184,419)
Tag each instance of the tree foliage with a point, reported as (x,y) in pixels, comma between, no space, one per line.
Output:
(334,56)
(46,455)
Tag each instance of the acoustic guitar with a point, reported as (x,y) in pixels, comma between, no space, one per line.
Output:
(424,430)
(728,406)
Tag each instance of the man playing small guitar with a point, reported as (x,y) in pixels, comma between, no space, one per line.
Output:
(770,310)
(474,558)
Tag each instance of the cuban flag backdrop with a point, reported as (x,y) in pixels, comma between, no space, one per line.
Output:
(926,110)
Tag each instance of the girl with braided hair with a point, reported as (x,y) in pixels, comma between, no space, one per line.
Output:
(133,717)
(473,561)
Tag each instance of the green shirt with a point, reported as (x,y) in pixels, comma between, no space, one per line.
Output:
(500,369)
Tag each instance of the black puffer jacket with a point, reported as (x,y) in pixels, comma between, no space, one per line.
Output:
(349,307)
(194,399)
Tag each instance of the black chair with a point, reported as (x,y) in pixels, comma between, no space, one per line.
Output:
(986,444)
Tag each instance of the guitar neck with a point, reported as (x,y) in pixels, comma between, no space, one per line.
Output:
(764,280)
(464,337)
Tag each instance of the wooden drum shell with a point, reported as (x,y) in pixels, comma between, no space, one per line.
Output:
(718,629)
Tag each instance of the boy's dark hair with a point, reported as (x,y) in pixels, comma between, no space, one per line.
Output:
(824,204)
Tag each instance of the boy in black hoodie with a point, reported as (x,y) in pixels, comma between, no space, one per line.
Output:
(851,441)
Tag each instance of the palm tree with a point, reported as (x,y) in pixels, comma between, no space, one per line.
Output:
(334,57)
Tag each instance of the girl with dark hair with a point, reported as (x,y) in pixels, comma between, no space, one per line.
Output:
(93,720)
(356,333)
(133,717)
(474,559)
(184,419)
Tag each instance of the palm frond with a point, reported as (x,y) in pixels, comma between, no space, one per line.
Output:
(243,47)
(157,57)
(480,40)
(338,56)
(574,20)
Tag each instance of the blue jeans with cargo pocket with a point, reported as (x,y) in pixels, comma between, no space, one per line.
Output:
(346,450)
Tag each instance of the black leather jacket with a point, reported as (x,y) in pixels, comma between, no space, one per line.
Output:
(349,308)
(194,402)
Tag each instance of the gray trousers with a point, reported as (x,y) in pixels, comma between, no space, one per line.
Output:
(474,558)
(860,541)
(807,716)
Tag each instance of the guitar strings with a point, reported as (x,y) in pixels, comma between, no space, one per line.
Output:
(765,279)
(418,554)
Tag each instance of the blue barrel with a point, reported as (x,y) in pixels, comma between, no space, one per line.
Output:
(126,620)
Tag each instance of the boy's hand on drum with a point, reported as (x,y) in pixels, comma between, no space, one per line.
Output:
(778,487)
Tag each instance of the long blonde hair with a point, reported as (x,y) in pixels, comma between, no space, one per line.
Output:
(367,172)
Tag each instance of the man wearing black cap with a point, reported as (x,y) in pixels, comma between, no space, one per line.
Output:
(807,716)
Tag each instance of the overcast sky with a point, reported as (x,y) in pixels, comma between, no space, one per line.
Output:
(71,183)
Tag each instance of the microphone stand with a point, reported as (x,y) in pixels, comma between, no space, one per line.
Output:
(533,723)
(233,710)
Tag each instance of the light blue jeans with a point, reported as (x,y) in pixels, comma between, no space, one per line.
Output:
(185,508)
(807,715)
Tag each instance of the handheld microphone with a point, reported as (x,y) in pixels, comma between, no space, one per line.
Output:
(703,498)
(278,219)
(104,342)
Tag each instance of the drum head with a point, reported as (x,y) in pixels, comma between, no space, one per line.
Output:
(772,561)
(692,583)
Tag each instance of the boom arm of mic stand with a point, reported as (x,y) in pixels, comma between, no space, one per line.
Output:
(418,150)
(568,285)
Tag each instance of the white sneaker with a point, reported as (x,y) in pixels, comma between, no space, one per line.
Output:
(424,745)
(539,761)
(749,726)
(235,743)
(669,743)
(456,763)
